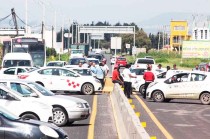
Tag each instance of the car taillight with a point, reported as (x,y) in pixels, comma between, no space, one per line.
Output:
(22,76)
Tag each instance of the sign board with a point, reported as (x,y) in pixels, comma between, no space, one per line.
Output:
(196,49)
(67,35)
(134,50)
(97,36)
(127,45)
(116,42)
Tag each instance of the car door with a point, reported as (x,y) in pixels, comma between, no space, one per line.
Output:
(179,86)
(198,84)
(70,80)
(46,77)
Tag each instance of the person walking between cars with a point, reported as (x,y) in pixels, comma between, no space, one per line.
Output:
(127,80)
(116,76)
(148,77)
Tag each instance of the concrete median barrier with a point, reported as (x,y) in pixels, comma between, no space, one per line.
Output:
(128,124)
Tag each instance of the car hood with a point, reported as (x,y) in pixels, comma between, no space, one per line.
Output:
(68,98)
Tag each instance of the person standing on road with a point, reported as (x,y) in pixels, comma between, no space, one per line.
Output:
(174,67)
(106,68)
(127,80)
(116,77)
(148,77)
(93,68)
(100,74)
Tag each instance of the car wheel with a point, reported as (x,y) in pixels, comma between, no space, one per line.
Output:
(158,96)
(142,89)
(29,116)
(87,89)
(59,117)
(205,98)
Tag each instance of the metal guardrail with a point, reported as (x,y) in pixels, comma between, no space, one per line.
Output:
(129,126)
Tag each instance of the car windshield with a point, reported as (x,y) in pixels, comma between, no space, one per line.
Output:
(8,114)
(145,61)
(41,89)
(99,57)
(94,61)
(76,61)
(15,63)
(59,64)
(138,71)
(85,72)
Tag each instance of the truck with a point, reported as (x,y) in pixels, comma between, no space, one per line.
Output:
(81,47)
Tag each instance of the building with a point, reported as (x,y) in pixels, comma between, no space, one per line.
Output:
(201,31)
(179,33)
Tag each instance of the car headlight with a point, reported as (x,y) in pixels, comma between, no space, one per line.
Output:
(97,81)
(80,105)
(48,131)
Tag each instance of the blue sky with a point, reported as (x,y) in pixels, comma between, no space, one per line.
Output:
(113,11)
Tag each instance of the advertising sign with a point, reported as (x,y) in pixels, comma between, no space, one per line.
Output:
(196,49)
(97,36)
(116,42)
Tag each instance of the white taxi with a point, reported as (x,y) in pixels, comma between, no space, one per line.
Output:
(185,85)
(63,79)
(24,107)
(65,108)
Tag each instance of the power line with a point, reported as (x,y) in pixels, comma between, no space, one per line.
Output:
(1,19)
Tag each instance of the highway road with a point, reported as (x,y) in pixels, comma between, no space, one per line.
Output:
(178,119)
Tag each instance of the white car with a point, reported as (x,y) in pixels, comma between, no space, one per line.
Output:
(113,60)
(24,107)
(65,108)
(185,85)
(63,79)
(96,61)
(12,72)
(143,62)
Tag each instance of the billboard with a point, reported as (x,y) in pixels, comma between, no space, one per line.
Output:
(196,49)
(116,42)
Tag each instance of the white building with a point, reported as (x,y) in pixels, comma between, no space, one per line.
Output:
(201,31)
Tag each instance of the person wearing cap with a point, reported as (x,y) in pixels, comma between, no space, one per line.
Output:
(116,77)
(148,77)
(127,80)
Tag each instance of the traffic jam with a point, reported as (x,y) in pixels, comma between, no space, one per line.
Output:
(29,96)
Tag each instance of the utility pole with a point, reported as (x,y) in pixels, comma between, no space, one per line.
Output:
(163,36)
(42,31)
(158,41)
(14,20)
(69,35)
(52,36)
(26,17)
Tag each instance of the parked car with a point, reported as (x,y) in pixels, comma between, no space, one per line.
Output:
(100,57)
(143,62)
(57,63)
(185,85)
(24,107)
(113,59)
(63,79)
(96,61)
(14,127)
(12,72)
(74,62)
(121,61)
(71,108)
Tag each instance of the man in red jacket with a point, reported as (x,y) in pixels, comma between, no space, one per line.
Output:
(148,77)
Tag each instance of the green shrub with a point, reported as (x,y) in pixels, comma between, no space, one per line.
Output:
(161,60)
